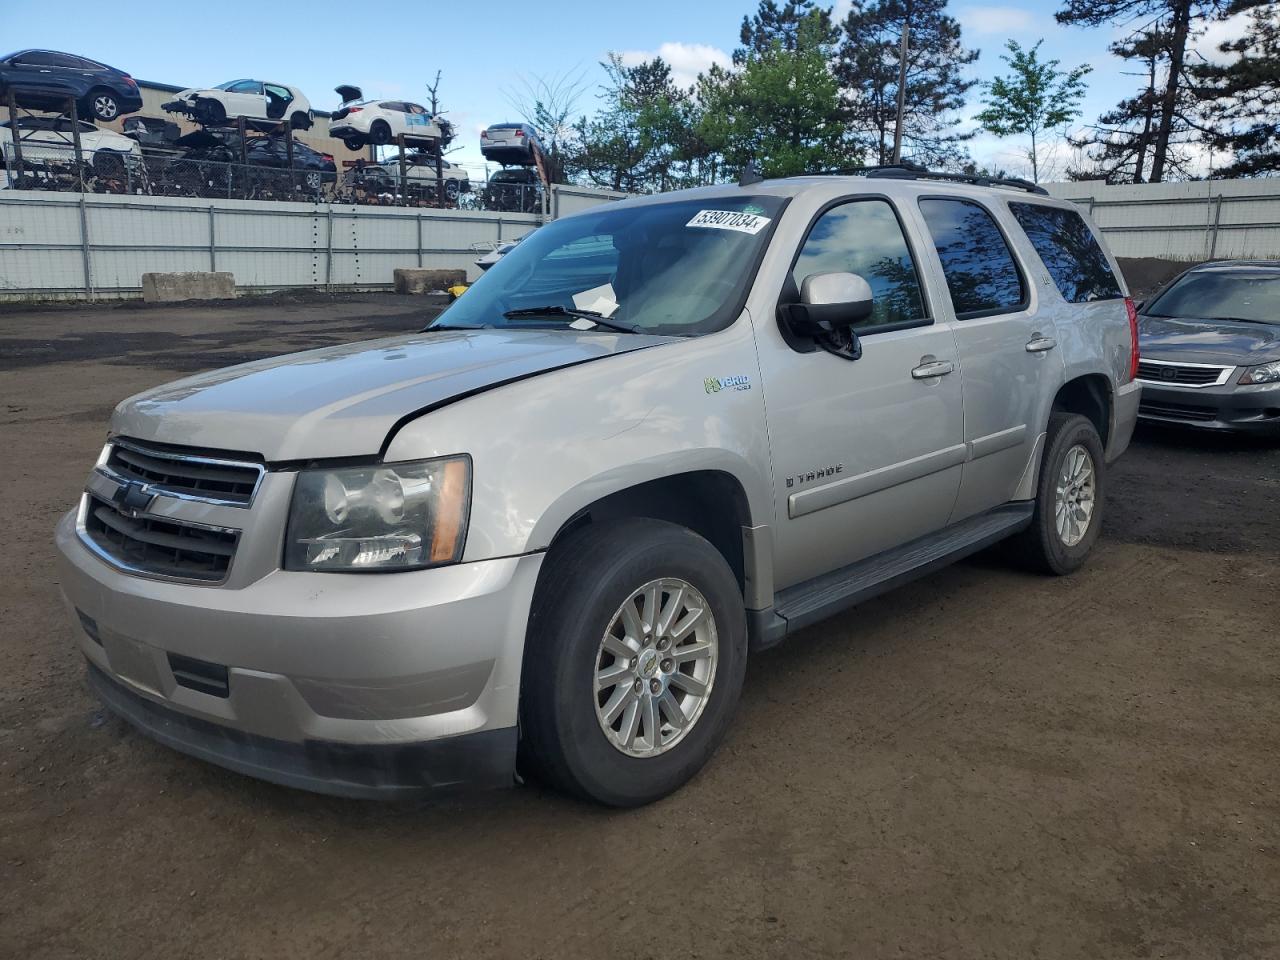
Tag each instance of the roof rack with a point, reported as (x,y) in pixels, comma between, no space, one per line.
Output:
(906,170)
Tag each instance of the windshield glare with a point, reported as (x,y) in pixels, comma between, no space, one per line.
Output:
(677,268)
(1221,296)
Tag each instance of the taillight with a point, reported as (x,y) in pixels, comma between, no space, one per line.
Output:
(327,157)
(351,110)
(1133,337)
(519,133)
(130,82)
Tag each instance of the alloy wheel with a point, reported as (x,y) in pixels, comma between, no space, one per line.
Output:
(1075,495)
(655,667)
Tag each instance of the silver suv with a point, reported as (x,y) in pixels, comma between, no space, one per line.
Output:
(656,436)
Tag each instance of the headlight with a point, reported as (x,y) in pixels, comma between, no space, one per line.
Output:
(1265,373)
(394,516)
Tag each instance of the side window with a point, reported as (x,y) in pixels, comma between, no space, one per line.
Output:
(281,93)
(245,86)
(1070,252)
(980,270)
(864,237)
(74,63)
(36,58)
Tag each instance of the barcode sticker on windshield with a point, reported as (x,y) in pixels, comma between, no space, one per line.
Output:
(729,220)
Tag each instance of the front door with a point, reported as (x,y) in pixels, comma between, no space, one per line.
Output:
(1008,349)
(866,453)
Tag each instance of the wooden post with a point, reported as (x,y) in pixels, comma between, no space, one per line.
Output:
(288,151)
(15,135)
(75,139)
(404,171)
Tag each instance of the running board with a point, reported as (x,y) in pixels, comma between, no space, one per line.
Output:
(814,600)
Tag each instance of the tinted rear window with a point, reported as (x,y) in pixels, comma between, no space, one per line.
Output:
(980,272)
(1070,252)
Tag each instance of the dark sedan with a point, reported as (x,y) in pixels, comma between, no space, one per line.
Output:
(218,158)
(47,79)
(1210,344)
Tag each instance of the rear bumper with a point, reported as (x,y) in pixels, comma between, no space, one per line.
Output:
(1230,408)
(386,772)
(1125,414)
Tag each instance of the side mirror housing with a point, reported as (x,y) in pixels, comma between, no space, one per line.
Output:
(829,302)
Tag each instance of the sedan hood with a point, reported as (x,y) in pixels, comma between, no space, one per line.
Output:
(344,401)
(1208,341)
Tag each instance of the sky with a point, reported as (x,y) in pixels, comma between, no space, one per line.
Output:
(488,52)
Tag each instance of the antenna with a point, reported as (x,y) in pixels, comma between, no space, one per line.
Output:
(750,175)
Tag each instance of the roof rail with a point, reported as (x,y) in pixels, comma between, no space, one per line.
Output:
(906,170)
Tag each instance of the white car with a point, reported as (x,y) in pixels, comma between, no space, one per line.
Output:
(359,122)
(258,101)
(48,140)
(420,176)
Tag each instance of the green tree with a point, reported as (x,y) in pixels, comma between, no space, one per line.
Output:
(1176,21)
(780,108)
(868,67)
(1035,98)
(781,24)
(641,139)
(1241,99)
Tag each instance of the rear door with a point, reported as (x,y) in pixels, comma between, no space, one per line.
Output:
(866,453)
(37,71)
(1008,347)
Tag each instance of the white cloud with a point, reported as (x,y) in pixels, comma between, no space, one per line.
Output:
(1002,21)
(1220,31)
(687,60)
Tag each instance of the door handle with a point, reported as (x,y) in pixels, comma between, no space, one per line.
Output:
(931,369)
(1039,344)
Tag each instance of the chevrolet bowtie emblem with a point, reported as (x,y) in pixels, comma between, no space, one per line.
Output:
(133,496)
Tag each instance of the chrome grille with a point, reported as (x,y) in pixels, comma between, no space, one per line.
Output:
(1183,374)
(188,474)
(157,546)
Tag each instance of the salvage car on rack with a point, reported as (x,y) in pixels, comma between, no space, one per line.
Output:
(359,122)
(420,177)
(259,102)
(49,141)
(515,143)
(46,79)
(211,166)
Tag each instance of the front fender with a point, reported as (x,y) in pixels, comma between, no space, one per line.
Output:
(546,447)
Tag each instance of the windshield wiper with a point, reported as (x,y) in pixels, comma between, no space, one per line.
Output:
(555,310)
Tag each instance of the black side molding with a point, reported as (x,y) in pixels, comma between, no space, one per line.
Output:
(814,600)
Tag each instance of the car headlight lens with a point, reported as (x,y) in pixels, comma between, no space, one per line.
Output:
(394,516)
(1265,373)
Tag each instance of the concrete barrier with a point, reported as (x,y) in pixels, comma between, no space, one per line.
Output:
(413,280)
(176,287)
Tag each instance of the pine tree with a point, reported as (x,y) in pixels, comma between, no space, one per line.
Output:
(868,70)
(781,24)
(1241,100)
(1177,20)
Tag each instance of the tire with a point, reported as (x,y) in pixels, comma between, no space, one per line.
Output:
(354,143)
(103,105)
(314,180)
(108,165)
(452,190)
(1049,545)
(300,121)
(380,132)
(587,582)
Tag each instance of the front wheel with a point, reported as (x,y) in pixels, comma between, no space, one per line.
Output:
(1069,497)
(636,653)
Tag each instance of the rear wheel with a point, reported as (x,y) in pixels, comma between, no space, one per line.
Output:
(1069,498)
(380,132)
(354,143)
(300,121)
(634,662)
(104,105)
(452,189)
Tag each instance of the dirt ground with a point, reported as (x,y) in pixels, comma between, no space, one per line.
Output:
(983,764)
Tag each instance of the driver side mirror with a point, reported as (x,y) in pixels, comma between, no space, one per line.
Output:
(829,302)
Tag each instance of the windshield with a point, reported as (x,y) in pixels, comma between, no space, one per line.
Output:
(677,268)
(1221,296)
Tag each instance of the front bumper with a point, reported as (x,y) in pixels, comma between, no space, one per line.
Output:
(1233,408)
(279,676)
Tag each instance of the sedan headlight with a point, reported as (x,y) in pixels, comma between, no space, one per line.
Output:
(393,516)
(1264,373)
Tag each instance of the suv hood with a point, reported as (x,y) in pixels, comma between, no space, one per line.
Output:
(1208,341)
(344,401)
